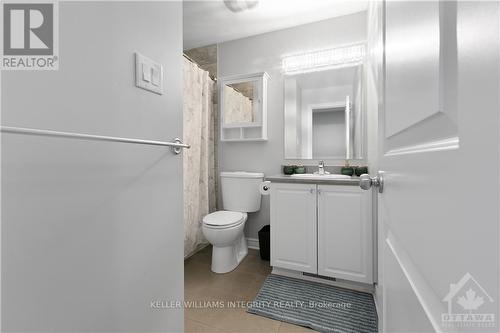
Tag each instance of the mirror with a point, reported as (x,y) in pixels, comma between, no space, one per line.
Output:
(239,103)
(323,114)
(243,107)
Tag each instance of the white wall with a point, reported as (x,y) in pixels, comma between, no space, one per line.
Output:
(92,231)
(264,53)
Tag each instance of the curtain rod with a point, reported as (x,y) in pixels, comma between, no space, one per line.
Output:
(194,62)
(189,58)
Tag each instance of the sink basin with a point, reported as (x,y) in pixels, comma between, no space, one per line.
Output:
(318,176)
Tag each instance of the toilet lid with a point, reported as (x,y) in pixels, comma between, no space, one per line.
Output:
(223,218)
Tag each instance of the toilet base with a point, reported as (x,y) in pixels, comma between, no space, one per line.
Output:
(227,258)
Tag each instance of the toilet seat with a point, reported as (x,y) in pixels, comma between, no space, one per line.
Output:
(224,219)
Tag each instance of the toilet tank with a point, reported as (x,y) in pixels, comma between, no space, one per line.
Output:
(240,191)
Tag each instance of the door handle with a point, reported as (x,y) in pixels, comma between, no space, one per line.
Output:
(366,182)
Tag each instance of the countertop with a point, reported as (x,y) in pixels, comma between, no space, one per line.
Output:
(353,181)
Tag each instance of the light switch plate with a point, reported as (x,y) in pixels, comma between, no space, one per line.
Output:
(148,74)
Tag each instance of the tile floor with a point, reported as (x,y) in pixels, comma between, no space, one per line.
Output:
(242,284)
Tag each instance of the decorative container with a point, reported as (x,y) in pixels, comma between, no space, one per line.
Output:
(347,170)
(361,170)
(288,169)
(300,169)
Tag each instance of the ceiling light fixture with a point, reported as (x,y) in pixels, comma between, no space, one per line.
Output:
(324,59)
(237,6)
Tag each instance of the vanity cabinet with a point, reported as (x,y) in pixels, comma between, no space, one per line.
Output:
(322,229)
(294,227)
(345,241)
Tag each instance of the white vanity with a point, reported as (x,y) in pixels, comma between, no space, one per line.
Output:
(322,227)
(321,223)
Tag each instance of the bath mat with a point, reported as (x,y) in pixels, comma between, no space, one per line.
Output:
(322,307)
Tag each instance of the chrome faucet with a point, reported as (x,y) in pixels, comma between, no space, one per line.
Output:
(321,167)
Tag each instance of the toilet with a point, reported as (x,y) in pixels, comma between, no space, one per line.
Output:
(224,228)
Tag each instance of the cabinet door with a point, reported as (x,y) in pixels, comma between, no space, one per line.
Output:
(293,227)
(345,244)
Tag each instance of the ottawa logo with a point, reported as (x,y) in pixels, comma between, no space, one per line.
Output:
(467,301)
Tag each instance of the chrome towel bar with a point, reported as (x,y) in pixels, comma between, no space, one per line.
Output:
(176,143)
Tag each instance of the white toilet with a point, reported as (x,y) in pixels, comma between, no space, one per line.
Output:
(224,228)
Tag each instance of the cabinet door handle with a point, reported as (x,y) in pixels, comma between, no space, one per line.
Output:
(319,192)
(311,191)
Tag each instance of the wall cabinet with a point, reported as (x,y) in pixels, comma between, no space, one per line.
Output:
(243,107)
(322,229)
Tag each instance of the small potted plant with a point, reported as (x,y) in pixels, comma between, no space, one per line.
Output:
(347,169)
(359,170)
(300,169)
(289,169)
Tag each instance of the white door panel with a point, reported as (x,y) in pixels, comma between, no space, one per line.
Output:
(401,302)
(439,122)
(293,227)
(412,62)
(345,233)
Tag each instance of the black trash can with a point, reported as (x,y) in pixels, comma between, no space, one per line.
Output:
(265,242)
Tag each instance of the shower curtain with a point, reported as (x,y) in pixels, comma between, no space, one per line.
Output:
(199,161)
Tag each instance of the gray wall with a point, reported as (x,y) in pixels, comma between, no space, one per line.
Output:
(92,231)
(264,53)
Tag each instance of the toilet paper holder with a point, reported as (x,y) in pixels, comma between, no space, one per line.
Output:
(264,187)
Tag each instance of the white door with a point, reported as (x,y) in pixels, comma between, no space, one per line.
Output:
(439,149)
(293,227)
(345,233)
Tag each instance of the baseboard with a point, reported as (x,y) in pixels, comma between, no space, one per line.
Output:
(198,249)
(253,243)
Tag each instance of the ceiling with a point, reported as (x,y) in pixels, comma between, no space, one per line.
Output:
(210,22)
